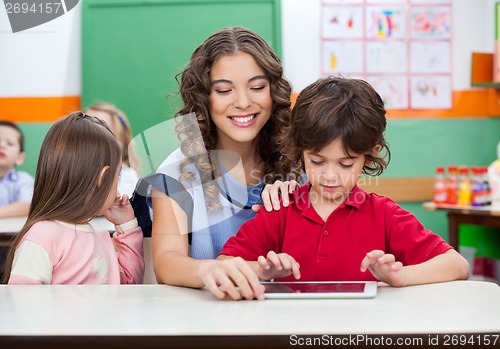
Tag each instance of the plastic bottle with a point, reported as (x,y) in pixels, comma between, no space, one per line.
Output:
(452,185)
(464,188)
(440,195)
(486,186)
(494,179)
(477,192)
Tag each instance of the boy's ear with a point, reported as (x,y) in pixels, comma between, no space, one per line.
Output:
(376,149)
(20,158)
(101,175)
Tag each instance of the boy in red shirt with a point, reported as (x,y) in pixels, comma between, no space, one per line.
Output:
(332,230)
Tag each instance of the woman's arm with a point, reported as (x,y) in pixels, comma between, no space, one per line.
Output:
(171,262)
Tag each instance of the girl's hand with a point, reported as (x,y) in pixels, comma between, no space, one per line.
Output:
(273,192)
(277,266)
(384,267)
(231,277)
(121,211)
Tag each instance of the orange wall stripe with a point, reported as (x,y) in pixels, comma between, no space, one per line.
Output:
(37,109)
(465,104)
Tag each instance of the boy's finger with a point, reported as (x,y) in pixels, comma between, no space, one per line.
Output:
(296,270)
(275,261)
(263,262)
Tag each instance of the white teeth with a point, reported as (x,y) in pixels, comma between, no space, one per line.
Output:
(243,119)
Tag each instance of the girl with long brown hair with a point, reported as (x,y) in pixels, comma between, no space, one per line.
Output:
(76,180)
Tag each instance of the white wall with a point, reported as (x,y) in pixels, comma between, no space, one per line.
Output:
(42,61)
(46,60)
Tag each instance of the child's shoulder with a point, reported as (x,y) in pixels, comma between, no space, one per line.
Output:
(46,233)
(24,175)
(372,199)
(49,229)
(19,176)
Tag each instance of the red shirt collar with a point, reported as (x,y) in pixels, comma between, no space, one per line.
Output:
(301,197)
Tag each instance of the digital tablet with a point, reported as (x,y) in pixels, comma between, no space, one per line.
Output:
(323,289)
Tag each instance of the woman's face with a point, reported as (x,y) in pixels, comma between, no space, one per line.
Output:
(240,99)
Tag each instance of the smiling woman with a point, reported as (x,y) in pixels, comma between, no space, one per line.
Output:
(236,111)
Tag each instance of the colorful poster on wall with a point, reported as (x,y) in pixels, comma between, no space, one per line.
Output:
(402,47)
(430,92)
(385,22)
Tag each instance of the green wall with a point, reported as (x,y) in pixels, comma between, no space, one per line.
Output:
(33,138)
(133,49)
(419,145)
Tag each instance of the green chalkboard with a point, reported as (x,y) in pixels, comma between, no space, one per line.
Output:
(132,50)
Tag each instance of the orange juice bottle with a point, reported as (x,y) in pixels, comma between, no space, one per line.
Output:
(452,185)
(464,188)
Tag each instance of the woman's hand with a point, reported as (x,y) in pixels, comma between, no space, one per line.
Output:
(273,192)
(232,277)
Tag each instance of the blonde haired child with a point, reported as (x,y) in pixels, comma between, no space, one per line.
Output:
(119,124)
(76,180)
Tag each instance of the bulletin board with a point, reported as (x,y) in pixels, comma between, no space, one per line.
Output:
(402,47)
(133,49)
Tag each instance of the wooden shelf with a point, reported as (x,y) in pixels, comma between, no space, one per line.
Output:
(491,84)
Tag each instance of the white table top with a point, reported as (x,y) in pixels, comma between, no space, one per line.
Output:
(159,310)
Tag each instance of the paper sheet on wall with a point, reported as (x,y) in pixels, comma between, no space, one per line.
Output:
(430,92)
(342,57)
(430,57)
(392,89)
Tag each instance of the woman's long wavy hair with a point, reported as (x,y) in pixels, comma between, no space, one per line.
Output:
(73,154)
(194,82)
(339,108)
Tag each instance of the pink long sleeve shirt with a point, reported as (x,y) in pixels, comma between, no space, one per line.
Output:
(54,252)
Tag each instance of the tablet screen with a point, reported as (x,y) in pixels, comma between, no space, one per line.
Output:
(317,289)
(314,287)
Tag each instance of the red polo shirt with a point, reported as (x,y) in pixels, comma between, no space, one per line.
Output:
(333,250)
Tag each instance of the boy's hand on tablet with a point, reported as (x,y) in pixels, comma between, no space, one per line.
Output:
(384,267)
(231,277)
(277,266)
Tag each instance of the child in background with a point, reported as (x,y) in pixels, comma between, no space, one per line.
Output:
(333,230)
(76,180)
(16,187)
(118,122)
